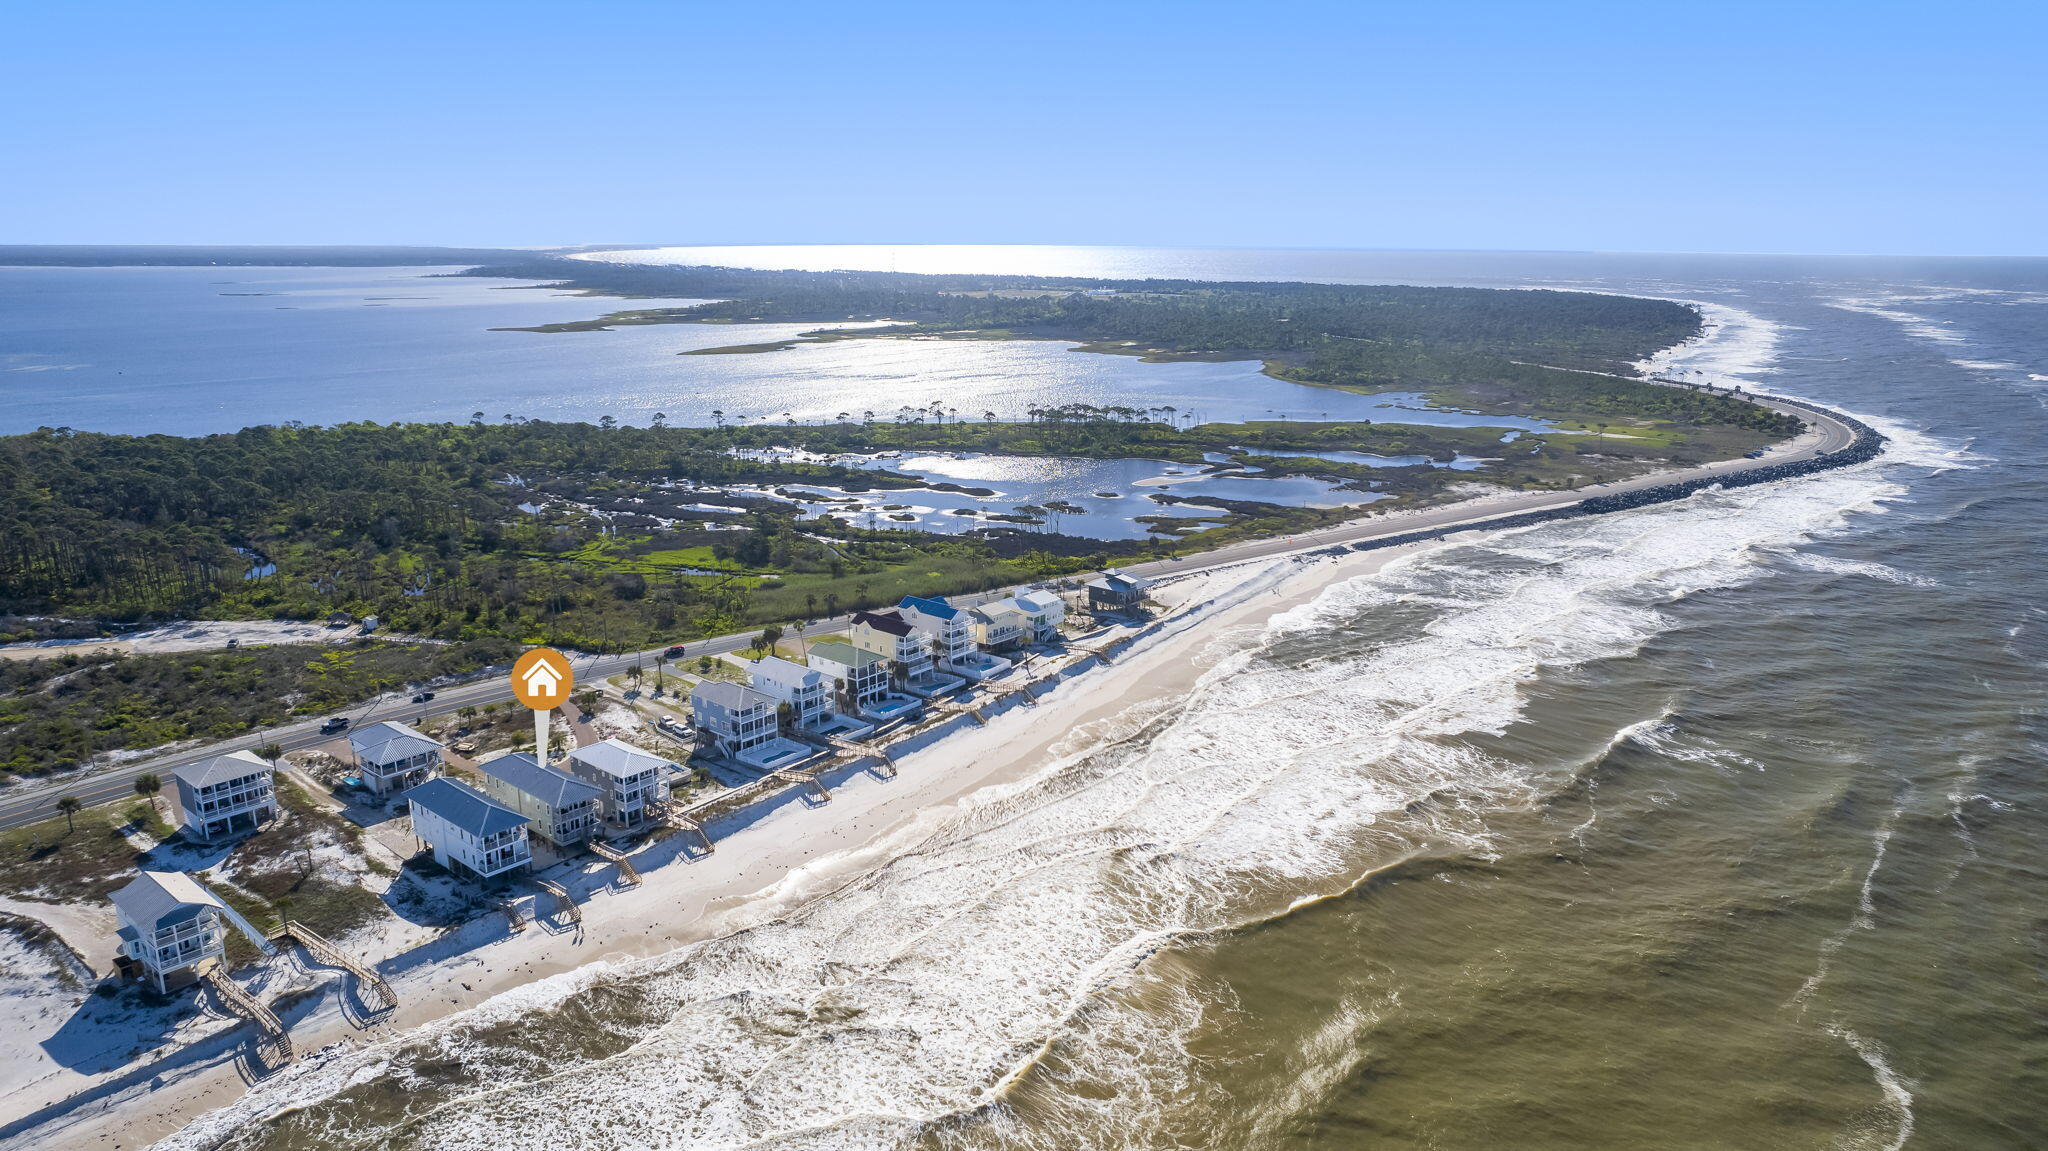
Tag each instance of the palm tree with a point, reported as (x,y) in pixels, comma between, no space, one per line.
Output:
(69,805)
(659,660)
(148,784)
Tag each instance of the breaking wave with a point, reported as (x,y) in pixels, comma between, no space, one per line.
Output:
(920,1001)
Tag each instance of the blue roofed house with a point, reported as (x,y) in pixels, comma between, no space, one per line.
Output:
(468,829)
(564,809)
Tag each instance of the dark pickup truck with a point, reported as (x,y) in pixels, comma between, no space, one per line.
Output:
(334,723)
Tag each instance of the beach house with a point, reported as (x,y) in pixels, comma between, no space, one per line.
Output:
(860,681)
(563,809)
(224,794)
(1044,611)
(467,829)
(806,693)
(628,779)
(742,724)
(999,626)
(391,757)
(889,635)
(1117,591)
(170,928)
(952,637)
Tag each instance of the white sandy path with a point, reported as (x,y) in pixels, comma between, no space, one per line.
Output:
(772,863)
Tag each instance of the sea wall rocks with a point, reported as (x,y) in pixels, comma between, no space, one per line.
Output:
(1867,443)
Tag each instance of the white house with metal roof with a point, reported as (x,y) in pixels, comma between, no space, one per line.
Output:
(469,829)
(806,692)
(629,778)
(172,928)
(391,757)
(564,809)
(1044,610)
(223,794)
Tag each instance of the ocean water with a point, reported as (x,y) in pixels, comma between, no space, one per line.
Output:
(1717,824)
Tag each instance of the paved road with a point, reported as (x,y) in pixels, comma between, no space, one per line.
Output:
(1828,435)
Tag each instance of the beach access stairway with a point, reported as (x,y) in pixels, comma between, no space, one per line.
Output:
(275,1044)
(564,905)
(374,987)
(628,874)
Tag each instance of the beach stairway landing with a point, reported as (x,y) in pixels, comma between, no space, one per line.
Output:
(628,874)
(674,817)
(805,779)
(564,906)
(515,915)
(276,1043)
(374,989)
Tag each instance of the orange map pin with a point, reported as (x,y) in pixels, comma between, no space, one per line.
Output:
(541,679)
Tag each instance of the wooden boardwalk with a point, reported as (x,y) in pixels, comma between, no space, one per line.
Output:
(372,984)
(276,1042)
(564,906)
(628,874)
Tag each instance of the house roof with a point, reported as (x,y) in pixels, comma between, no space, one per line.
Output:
(889,622)
(784,672)
(220,769)
(1000,612)
(389,742)
(1037,602)
(465,807)
(616,757)
(846,654)
(730,696)
(550,785)
(936,608)
(1119,582)
(154,896)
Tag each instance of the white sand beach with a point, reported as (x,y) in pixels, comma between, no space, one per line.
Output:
(770,858)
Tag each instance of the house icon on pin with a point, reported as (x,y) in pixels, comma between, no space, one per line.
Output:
(542,679)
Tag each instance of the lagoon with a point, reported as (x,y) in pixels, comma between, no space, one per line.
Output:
(196,350)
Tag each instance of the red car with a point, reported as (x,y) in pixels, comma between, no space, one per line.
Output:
(674,651)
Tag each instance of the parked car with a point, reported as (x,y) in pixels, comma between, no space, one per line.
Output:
(423,697)
(334,723)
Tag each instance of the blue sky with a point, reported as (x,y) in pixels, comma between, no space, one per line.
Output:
(1703,127)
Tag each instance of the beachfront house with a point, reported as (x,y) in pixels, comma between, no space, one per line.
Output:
(889,635)
(999,626)
(1117,591)
(741,723)
(564,809)
(861,680)
(224,794)
(628,778)
(467,829)
(1044,611)
(391,757)
(952,632)
(170,927)
(805,692)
